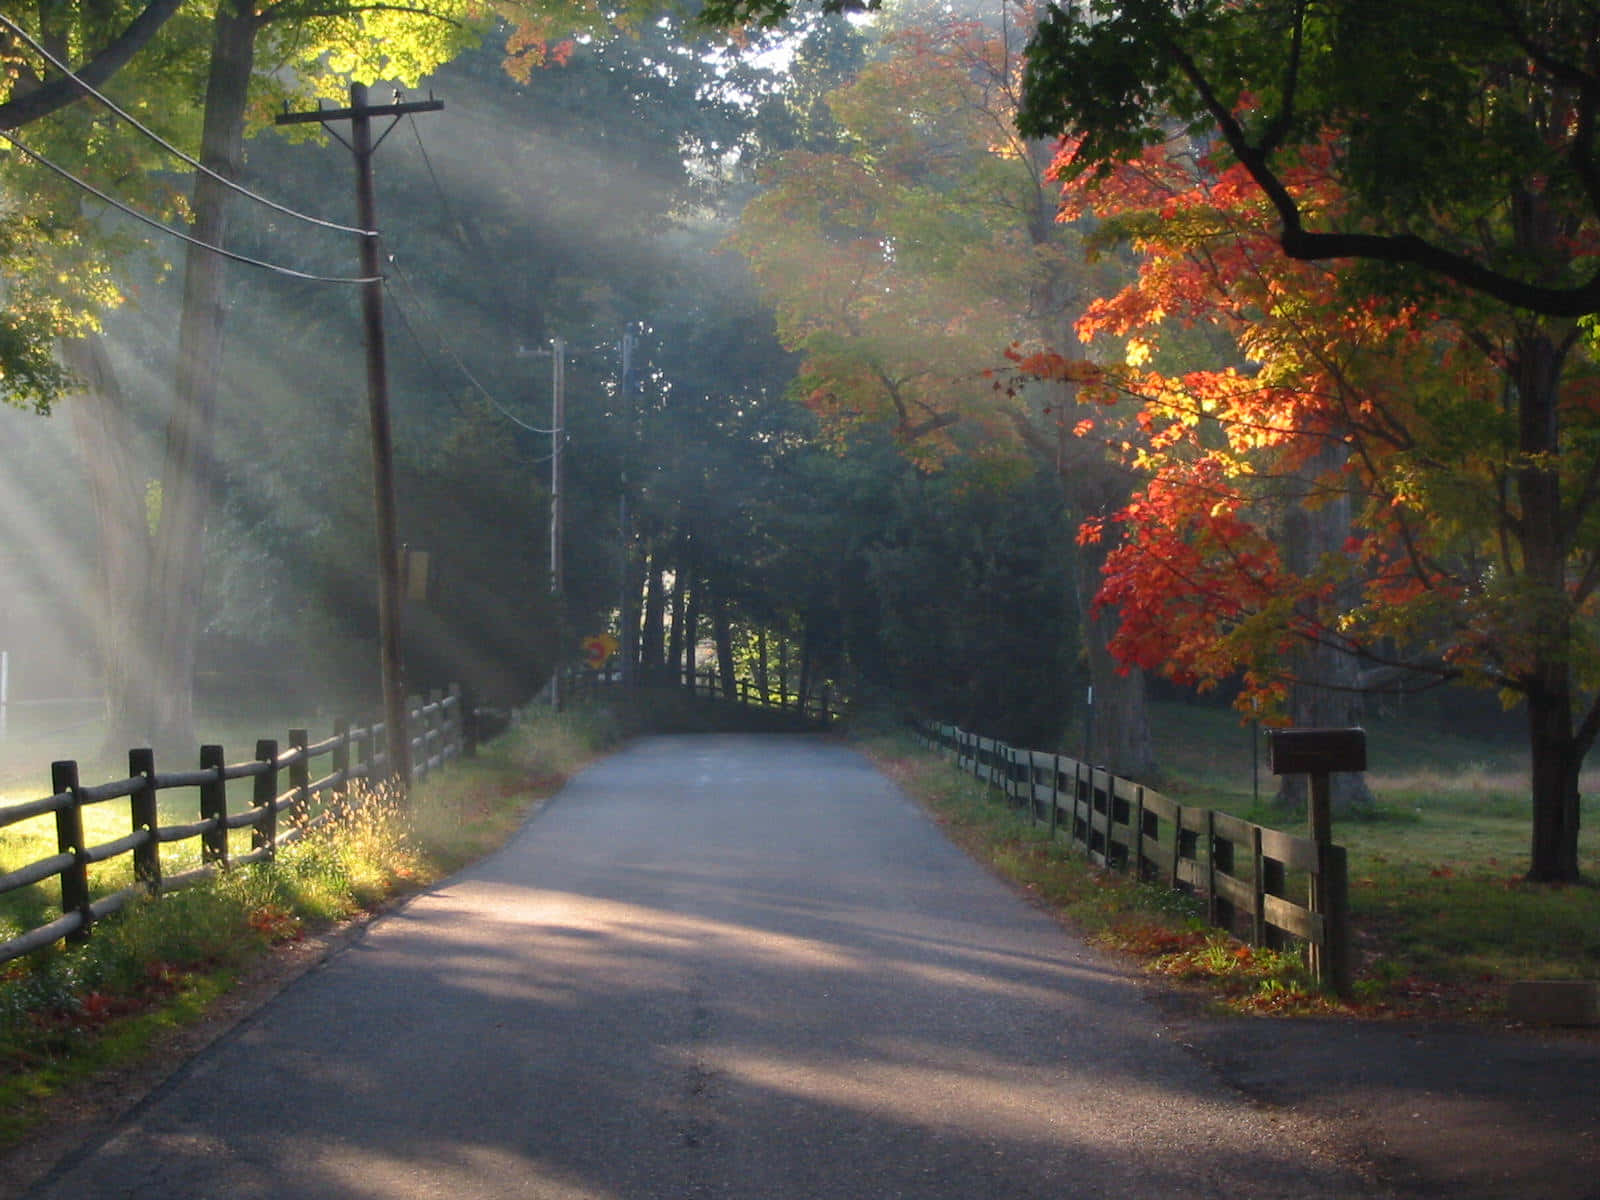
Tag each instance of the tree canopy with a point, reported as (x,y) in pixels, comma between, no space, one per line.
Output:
(1463,132)
(1450,177)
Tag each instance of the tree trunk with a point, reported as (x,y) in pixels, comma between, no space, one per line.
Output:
(633,584)
(1556,763)
(1119,725)
(761,662)
(1324,692)
(652,637)
(189,472)
(691,630)
(1553,746)
(783,668)
(1118,717)
(105,446)
(675,634)
(722,632)
(807,652)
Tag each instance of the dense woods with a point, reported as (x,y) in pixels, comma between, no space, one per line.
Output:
(962,360)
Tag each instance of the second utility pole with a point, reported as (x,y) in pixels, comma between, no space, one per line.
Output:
(361,145)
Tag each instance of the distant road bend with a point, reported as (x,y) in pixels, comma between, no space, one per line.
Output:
(716,966)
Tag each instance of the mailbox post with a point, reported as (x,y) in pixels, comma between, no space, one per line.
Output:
(1318,753)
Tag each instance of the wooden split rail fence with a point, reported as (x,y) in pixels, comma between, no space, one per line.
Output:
(820,708)
(437,730)
(1247,874)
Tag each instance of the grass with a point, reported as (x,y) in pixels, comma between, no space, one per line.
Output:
(70,1013)
(1441,917)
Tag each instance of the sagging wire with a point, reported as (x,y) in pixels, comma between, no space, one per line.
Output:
(460,364)
(231,255)
(168,146)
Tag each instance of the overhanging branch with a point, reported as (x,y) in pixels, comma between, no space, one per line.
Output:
(62,91)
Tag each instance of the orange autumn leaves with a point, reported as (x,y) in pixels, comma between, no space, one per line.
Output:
(1243,387)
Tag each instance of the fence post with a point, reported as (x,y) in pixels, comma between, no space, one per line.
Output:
(1181,837)
(1210,866)
(1083,794)
(300,776)
(413,726)
(265,796)
(214,807)
(1274,882)
(1111,810)
(69,840)
(1333,961)
(1258,912)
(433,727)
(1055,792)
(361,756)
(1138,833)
(453,724)
(1219,858)
(341,758)
(142,810)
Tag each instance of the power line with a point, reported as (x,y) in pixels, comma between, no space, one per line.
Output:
(177,233)
(462,366)
(168,146)
(439,380)
(444,201)
(557,436)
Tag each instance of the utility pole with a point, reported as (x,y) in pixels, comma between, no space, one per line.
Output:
(558,426)
(558,446)
(362,146)
(628,632)
(558,441)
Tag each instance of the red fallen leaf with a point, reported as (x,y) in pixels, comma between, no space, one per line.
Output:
(95,1007)
(1441,873)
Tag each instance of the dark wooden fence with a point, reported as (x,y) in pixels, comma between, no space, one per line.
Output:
(1247,874)
(820,708)
(352,754)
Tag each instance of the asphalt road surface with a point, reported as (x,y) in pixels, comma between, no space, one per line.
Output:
(721,966)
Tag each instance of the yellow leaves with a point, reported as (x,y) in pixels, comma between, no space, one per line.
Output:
(1138,352)
(398,43)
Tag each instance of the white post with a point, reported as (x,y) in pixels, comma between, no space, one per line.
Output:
(558,439)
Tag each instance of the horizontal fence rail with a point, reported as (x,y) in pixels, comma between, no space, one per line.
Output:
(352,754)
(1247,874)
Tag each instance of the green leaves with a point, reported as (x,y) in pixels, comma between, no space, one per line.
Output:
(1099,74)
(1463,134)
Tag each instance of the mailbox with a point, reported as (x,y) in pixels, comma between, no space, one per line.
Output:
(1317,751)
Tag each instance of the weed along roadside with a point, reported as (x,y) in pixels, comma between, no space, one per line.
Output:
(78,1021)
(361,761)
(1245,875)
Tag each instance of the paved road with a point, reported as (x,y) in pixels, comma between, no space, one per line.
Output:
(711,967)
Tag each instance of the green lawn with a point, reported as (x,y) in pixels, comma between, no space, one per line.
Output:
(1445,802)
